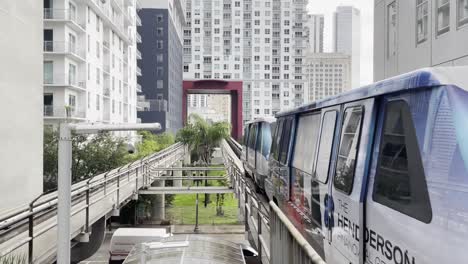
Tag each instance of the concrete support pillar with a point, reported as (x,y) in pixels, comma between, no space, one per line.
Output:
(158,213)
(187,159)
(177,183)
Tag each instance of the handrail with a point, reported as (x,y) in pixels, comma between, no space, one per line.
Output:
(300,240)
(79,190)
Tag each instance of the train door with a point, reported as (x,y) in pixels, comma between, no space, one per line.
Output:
(344,212)
(245,143)
(253,135)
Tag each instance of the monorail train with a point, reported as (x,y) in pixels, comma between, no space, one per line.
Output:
(256,149)
(379,174)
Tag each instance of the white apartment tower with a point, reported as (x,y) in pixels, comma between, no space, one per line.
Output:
(347,38)
(260,42)
(313,31)
(413,34)
(327,74)
(90,61)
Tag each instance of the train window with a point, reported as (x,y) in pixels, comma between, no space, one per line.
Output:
(347,154)
(266,135)
(276,140)
(400,182)
(306,142)
(252,135)
(325,147)
(258,145)
(246,135)
(285,138)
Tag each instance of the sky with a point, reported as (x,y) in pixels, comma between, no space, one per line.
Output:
(327,7)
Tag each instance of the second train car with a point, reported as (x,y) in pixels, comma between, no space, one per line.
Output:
(256,149)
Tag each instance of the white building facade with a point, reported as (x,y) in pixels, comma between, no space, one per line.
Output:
(412,34)
(327,74)
(90,61)
(313,31)
(347,38)
(259,42)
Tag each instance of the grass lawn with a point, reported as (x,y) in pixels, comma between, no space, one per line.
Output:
(183,207)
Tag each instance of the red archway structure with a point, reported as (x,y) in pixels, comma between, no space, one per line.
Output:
(233,88)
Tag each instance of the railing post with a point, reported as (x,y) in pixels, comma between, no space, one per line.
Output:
(87,210)
(136,180)
(118,191)
(259,233)
(31,235)
(246,214)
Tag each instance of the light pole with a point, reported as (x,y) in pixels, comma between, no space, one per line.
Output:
(64,176)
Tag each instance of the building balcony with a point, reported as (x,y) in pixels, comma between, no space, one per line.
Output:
(138,54)
(64,112)
(138,37)
(106,67)
(138,20)
(125,77)
(138,71)
(62,81)
(53,15)
(64,48)
(138,88)
(106,45)
(114,22)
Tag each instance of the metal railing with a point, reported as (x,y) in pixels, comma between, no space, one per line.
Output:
(63,112)
(63,80)
(61,14)
(63,47)
(34,225)
(254,212)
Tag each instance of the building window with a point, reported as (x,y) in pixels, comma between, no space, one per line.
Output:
(392,29)
(462,12)
(98,102)
(159,31)
(160,44)
(159,19)
(443,16)
(159,84)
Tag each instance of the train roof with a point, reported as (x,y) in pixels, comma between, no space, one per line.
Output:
(423,78)
(262,119)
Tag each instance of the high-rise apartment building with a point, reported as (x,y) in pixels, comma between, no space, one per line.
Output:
(327,74)
(259,42)
(413,34)
(347,38)
(90,59)
(211,107)
(313,31)
(162,63)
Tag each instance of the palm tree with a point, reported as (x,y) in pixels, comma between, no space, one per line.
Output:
(202,138)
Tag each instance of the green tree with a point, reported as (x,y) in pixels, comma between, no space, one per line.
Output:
(202,138)
(96,154)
